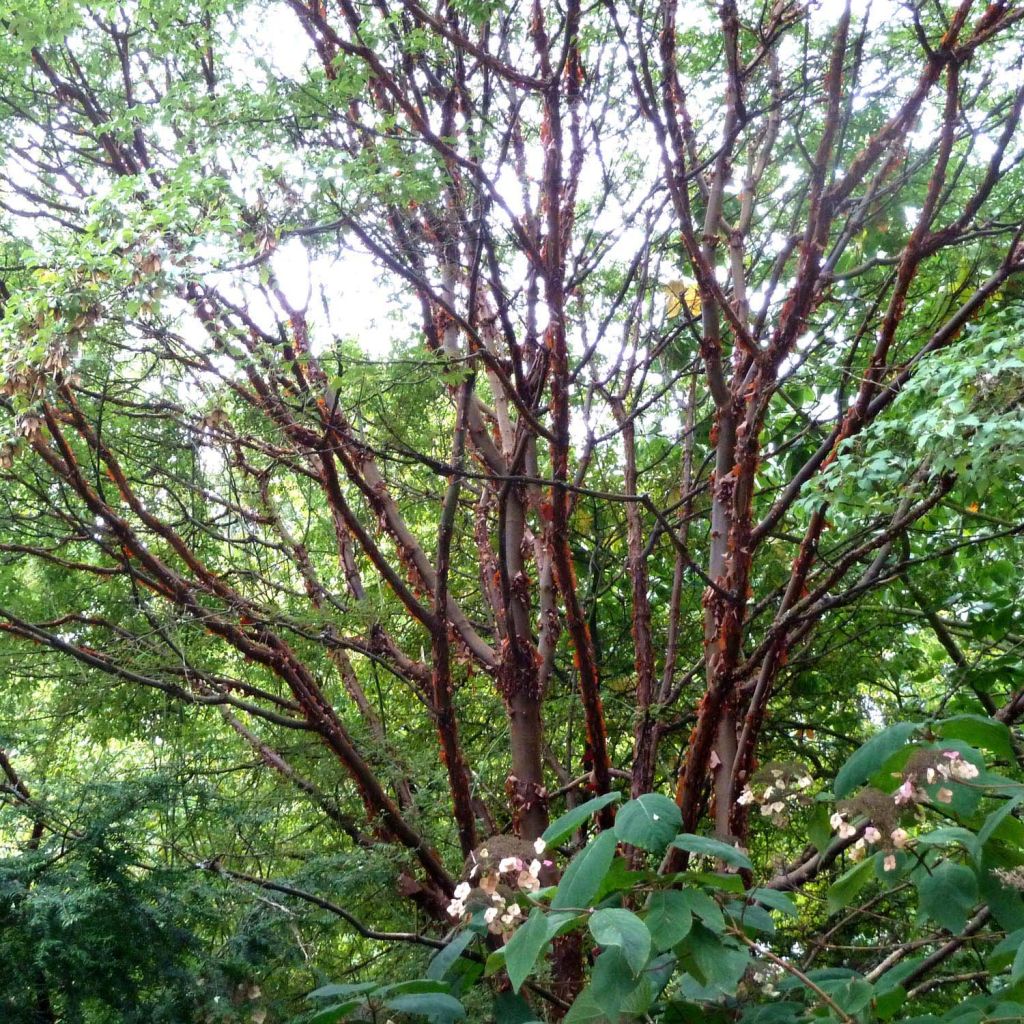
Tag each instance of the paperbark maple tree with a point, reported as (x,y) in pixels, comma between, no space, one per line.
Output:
(256,517)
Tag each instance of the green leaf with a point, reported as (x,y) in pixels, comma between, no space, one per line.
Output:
(943,836)
(612,981)
(495,962)
(436,1006)
(564,826)
(522,950)
(443,959)
(847,885)
(622,928)
(775,900)
(704,907)
(332,991)
(773,1013)
(819,831)
(947,895)
(586,871)
(513,1009)
(337,1012)
(996,818)
(886,1005)
(751,917)
(652,983)
(978,731)
(1017,970)
(708,847)
(865,761)
(668,918)
(717,963)
(412,987)
(650,821)
(586,1009)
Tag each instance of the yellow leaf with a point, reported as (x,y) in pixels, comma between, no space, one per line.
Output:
(680,294)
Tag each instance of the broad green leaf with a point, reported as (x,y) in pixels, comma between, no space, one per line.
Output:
(335,1013)
(586,871)
(947,894)
(865,761)
(650,821)
(622,928)
(773,1013)
(435,1006)
(510,1008)
(333,991)
(847,885)
(668,918)
(652,983)
(522,950)
(952,834)
(978,731)
(996,818)
(564,826)
(412,987)
(612,981)
(586,1009)
(443,959)
(704,907)
(709,847)
(776,900)
(750,916)
(718,963)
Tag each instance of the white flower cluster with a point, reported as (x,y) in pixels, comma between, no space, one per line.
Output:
(872,836)
(953,767)
(501,916)
(778,796)
(457,907)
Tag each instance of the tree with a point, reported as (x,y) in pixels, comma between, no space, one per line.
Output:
(692,451)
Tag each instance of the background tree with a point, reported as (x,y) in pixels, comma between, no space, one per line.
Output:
(688,443)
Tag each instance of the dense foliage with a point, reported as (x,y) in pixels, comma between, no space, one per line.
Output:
(511,511)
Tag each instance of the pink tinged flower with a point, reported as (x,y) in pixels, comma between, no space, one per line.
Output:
(527,882)
(964,770)
(845,831)
(548,863)
(900,837)
(872,835)
(905,794)
(890,862)
(952,755)
(836,820)
(944,796)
